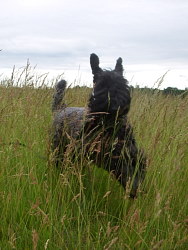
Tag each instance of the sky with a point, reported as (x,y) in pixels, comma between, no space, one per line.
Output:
(58,36)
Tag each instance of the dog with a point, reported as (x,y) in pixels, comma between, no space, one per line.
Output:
(102,127)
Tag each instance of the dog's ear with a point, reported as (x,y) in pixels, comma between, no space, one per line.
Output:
(94,62)
(119,66)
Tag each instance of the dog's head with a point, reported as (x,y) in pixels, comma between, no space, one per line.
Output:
(111,91)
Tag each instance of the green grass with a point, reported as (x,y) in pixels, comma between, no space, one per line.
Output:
(85,208)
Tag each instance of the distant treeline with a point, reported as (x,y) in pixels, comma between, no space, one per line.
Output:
(167,91)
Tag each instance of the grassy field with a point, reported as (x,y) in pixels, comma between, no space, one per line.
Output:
(85,208)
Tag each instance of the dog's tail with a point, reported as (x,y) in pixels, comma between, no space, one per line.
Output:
(58,95)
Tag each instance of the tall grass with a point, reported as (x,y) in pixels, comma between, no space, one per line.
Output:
(85,208)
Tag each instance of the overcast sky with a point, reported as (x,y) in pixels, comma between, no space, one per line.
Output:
(59,35)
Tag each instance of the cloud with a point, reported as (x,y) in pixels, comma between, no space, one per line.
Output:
(62,34)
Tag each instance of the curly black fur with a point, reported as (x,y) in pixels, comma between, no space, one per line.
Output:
(103,126)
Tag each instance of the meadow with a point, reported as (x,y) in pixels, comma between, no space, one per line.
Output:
(83,207)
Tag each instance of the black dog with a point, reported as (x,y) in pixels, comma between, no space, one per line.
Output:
(102,127)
